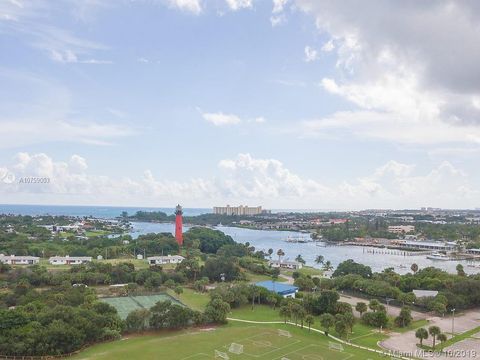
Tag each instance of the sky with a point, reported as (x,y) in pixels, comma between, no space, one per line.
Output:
(288,104)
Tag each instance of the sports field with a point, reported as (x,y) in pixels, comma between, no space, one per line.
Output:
(126,304)
(263,342)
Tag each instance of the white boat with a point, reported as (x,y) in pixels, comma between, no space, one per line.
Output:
(438,256)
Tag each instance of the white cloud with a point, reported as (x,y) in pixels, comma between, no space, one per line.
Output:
(328,46)
(278,16)
(310,54)
(239,4)
(193,6)
(221,119)
(238,180)
(399,68)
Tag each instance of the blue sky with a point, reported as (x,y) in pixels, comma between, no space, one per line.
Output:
(288,104)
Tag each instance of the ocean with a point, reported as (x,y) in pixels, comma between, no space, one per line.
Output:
(105,212)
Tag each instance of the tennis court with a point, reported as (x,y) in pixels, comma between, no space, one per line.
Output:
(126,304)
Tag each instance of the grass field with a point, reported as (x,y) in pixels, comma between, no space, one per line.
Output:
(126,304)
(191,298)
(261,342)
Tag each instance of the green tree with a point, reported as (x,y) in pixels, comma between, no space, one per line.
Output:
(137,320)
(439,308)
(327,266)
(327,321)
(217,310)
(341,328)
(421,334)
(280,253)
(178,290)
(404,318)
(361,307)
(442,337)
(300,259)
(319,259)
(434,331)
(285,312)
(349,320)
(460,270)
(374,305)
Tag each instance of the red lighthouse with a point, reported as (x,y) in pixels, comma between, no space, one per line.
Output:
(178,225)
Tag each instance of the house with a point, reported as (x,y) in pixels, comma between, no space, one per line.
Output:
(425,293)
(285,290)
(294,265)
(69,260)
(18,260)
(163,260)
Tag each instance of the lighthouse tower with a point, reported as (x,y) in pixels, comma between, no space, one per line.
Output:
(178,225)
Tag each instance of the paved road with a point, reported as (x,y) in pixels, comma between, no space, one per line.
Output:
(391,310)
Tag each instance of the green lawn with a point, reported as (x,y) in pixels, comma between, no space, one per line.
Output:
(259,341)
(191,298)
(305,270)
(414,325)
(258,277)
(259,313)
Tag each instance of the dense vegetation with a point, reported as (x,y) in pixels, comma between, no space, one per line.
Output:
(455,290)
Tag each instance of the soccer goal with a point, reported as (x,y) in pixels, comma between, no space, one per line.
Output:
(221,355)
(335,346)
(285,333)
(236,348)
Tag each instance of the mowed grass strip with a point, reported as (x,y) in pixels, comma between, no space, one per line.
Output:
(260,342)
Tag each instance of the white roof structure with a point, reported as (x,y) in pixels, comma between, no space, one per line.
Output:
(425,293)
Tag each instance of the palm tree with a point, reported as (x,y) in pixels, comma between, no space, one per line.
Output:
(327,266)
(309,320)
(361,307)
(434,331)
(319,259)
(270,252)
(285,312)
(299,259)
(421,334)
(442,337)
(414,268)
(280,253)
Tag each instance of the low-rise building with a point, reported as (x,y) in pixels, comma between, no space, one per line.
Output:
(18,260)
(425,293)
(237,210)
(427,245)
(294,265)
(401,229)
(285,290)
(69,260)
(164,260)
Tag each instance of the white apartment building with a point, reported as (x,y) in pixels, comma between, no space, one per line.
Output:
(69,260)
(401,229)
(240,210)
(18,260)
(163,260)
